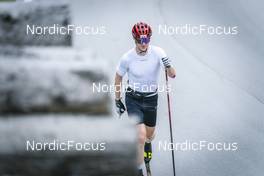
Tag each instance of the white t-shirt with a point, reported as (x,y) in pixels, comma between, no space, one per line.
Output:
(143,71)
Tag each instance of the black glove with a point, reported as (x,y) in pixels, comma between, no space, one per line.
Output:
(166,62)
(120,107)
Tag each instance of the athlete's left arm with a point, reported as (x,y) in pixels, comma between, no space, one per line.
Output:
(166,61)
(171,71)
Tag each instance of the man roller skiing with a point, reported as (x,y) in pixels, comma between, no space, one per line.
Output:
(142,65)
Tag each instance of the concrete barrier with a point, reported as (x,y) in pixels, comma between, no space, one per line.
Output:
(65,145)
(52,80)
(16,17)
(52,123)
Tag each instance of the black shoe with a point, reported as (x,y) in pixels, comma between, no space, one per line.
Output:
(140,172)
(148,152)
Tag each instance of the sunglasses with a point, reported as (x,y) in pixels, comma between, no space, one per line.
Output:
(143,40)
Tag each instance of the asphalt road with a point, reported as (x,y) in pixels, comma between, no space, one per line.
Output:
(218,93)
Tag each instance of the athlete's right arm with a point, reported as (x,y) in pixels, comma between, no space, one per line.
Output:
(120,72)
(120,107)
(118,85)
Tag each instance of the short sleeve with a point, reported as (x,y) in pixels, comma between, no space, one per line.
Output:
(121,68)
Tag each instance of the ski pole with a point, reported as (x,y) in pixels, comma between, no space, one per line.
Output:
(169,111)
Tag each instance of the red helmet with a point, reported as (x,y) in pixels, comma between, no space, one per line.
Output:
(141,29)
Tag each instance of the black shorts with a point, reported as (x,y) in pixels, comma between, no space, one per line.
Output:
(143,107)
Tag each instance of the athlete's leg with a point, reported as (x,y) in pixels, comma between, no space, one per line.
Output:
(150,134)
(150,116)
(134,111)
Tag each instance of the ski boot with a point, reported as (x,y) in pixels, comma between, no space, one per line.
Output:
(147,152)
